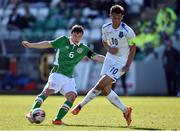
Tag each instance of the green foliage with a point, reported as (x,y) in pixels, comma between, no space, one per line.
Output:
(148,113)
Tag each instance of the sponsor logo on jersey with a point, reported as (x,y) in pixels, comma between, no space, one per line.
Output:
(79,50)
(121,34)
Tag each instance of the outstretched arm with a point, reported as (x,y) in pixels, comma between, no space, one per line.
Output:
(130,57)
(39,45)
(98,58)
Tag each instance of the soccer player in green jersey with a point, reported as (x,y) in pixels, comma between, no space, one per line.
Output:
(69,52)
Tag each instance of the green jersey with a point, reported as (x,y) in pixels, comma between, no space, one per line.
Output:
(68,55)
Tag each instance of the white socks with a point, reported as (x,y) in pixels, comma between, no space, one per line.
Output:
(114,99)
(91,95)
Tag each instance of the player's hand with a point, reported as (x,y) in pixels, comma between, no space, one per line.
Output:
(113,50)
(26,44)
(125,68)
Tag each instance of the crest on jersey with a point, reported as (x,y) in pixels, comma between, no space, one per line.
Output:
(121,34)
(67,47)
(79,50)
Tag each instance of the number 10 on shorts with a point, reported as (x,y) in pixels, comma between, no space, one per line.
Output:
(114,70)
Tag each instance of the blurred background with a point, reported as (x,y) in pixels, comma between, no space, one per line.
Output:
(154,71)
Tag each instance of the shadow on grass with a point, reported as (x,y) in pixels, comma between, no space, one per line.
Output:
(73,125)
(102,126)
(144,128)
(97,126)
(131,127)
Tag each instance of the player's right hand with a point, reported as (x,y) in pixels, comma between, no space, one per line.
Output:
(25,44)
(113,50)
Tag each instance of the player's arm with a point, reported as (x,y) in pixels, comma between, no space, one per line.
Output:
(96,57)
(131,55)
(132,49)
(39,45)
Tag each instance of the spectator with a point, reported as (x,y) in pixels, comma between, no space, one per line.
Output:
(77,19)
(28,19)
(14,18)
(170,62)
(165,20)
(22,22)
(178,75)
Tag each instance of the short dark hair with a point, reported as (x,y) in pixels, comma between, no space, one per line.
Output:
(117,9)
(77,29)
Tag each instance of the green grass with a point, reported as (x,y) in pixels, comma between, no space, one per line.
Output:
(148,113)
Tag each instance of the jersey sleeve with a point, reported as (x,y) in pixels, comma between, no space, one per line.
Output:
(130,37)
(56,43)
(104,36)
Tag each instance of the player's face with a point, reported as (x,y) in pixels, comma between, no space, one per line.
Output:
(76,37)
(116,19)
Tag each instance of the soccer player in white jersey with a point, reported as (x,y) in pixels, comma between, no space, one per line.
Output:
(117,38)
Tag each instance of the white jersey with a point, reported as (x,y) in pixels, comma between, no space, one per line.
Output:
(118,38)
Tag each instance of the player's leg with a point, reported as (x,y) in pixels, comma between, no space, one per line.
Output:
(42,96)
(114,73)
(115,100)
(95,91)
(50,88)
(69,91)
(63,110)
(39,100)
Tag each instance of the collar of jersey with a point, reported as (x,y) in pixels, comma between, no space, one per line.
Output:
(72,42)
(118,27)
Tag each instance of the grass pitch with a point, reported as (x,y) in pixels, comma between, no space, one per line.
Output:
(149,113)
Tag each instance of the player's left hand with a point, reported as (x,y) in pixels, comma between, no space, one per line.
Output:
(25,44)
(125,68)
(113,50)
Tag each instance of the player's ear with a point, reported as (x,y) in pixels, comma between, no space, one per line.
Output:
(110,16)
(122,17)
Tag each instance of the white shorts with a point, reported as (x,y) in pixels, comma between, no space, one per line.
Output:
(113,68)
(61,83)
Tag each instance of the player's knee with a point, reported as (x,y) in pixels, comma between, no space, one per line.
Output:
(100,85)
(106,91)
(106,80)
(71,96)
(47,92)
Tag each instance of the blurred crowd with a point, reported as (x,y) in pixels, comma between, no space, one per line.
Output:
(47,19)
